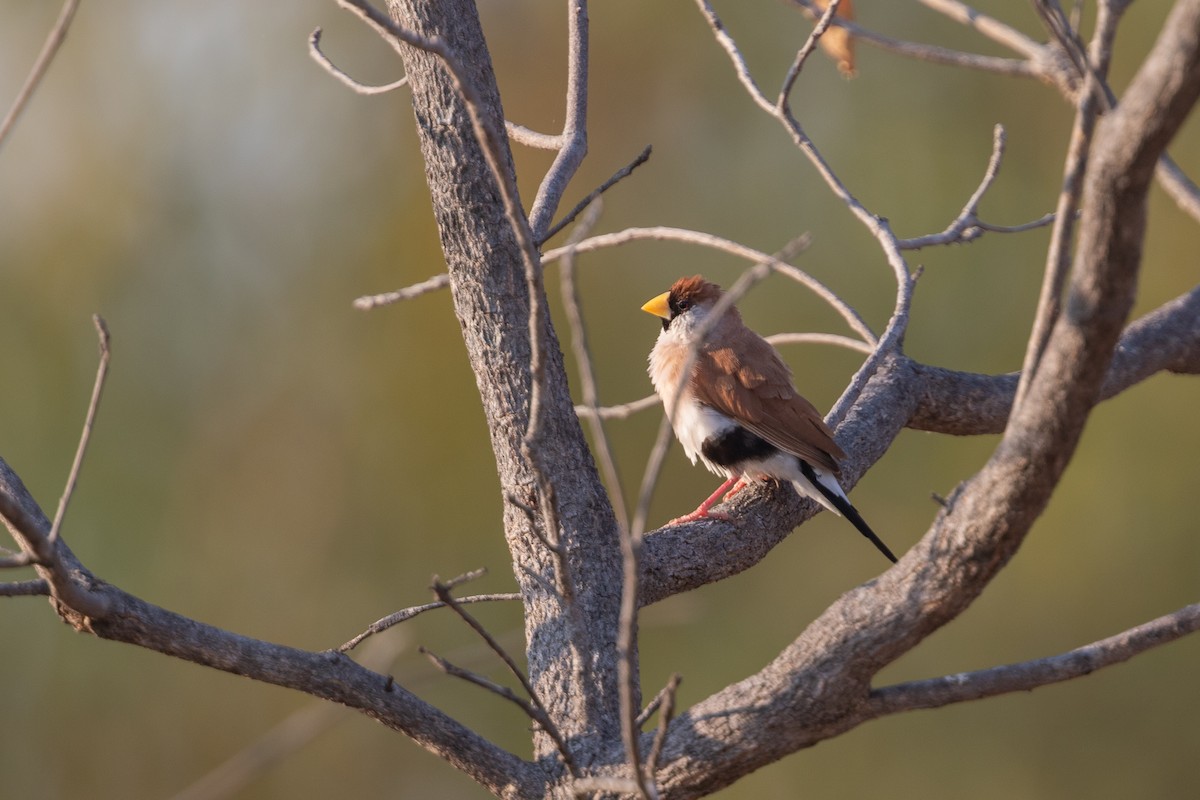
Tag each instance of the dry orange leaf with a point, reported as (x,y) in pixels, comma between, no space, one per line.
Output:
(837,42)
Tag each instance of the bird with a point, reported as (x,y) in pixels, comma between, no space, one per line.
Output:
(738,412)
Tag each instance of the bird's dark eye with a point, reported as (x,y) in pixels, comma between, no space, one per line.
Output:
(684,305)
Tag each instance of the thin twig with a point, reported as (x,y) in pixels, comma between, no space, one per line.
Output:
(990,27)
(443,594)
(531,138)
(617,176)
(88,422)
(622,411)
(553,545)
(18,560)
(664,722)
(1028,675)
(466,577)
(49,50)
(367,302)
(821,338)
(391,620)
(30,588)
(534,710)
(703,239)
(967,226)
(783,102)
(572,303)
(878,227)
(574,134)
(314,50)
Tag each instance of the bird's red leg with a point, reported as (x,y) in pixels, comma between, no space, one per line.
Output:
(702,511)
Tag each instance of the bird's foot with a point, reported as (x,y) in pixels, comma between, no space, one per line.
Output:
(723,492)
(701,513)
(737,487)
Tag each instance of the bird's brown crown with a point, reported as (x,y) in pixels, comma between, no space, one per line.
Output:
(687,292)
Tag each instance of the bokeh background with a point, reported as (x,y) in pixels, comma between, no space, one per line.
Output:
(271,460)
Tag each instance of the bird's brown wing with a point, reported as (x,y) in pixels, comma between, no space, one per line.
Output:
(748,381)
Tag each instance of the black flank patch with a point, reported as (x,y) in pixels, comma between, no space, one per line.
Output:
(735,446)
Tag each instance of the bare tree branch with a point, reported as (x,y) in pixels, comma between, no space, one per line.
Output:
(573,303)
(394,619)
(663,233)
(618,176)
(54,40)
(367,302)
(33,588)
(573,140)
(542,715)
(94,606)
(314,50)
(1029,675)
(967,226)
(89,421)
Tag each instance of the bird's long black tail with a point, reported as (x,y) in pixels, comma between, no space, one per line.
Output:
(848,511)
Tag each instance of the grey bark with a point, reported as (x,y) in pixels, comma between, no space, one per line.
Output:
(820,684)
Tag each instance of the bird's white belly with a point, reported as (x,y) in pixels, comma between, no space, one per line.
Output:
(694,423)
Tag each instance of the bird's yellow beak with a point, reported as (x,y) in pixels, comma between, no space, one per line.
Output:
(658,306)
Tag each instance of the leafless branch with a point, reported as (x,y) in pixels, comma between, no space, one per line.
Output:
(572,303)
(574,135)
(367,302)
(877,226)
(391,620)
(1029,675)
(36,587)
(702,239)
(533,709)
(668,713)
(623,411)
(617,176)
(88,422)
(990,27)
(314,50)
(531,138)
(783,101)
(1059,253)
(821,338)
(97,607)
(967,226)
(543,717)
(49,50)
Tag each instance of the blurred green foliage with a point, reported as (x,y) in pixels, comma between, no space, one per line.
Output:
(270,460)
